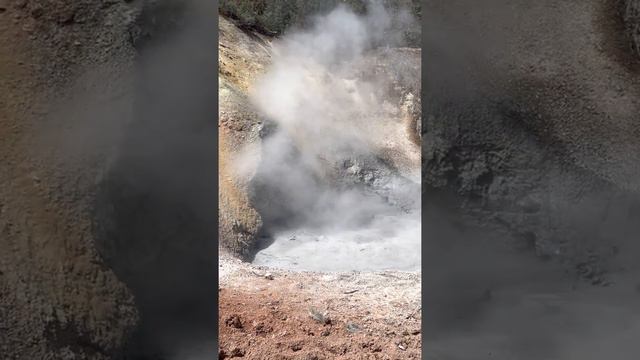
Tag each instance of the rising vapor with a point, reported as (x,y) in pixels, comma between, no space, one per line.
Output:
(328,198)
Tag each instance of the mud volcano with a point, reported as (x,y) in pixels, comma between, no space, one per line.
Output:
(334,170)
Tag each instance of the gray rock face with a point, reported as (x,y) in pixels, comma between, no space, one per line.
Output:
(509,181)
(534,146)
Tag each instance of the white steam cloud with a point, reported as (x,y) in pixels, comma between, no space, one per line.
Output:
(327,195)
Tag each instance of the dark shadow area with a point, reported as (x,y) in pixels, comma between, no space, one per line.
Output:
(155,212)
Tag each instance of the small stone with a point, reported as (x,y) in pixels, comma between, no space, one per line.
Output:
(236,352)
(352,328)
(320,317)
(234,322)
(263,329)
(296,346)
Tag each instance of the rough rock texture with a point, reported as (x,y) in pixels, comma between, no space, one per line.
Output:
(276,16)
(57,297)
(632,19)
(398,72)
(242,57)
(537,130)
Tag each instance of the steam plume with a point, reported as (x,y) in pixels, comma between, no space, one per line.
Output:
(321,179)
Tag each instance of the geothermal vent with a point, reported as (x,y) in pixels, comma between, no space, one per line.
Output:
(336,180)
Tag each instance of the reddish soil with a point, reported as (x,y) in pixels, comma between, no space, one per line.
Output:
(266,314)
(273,326)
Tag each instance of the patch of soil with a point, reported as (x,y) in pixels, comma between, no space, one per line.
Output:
(278,326)
(274,314)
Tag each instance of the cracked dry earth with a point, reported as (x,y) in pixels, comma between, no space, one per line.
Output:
(273,314)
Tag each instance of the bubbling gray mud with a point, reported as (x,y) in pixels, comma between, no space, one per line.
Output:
(375,247)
